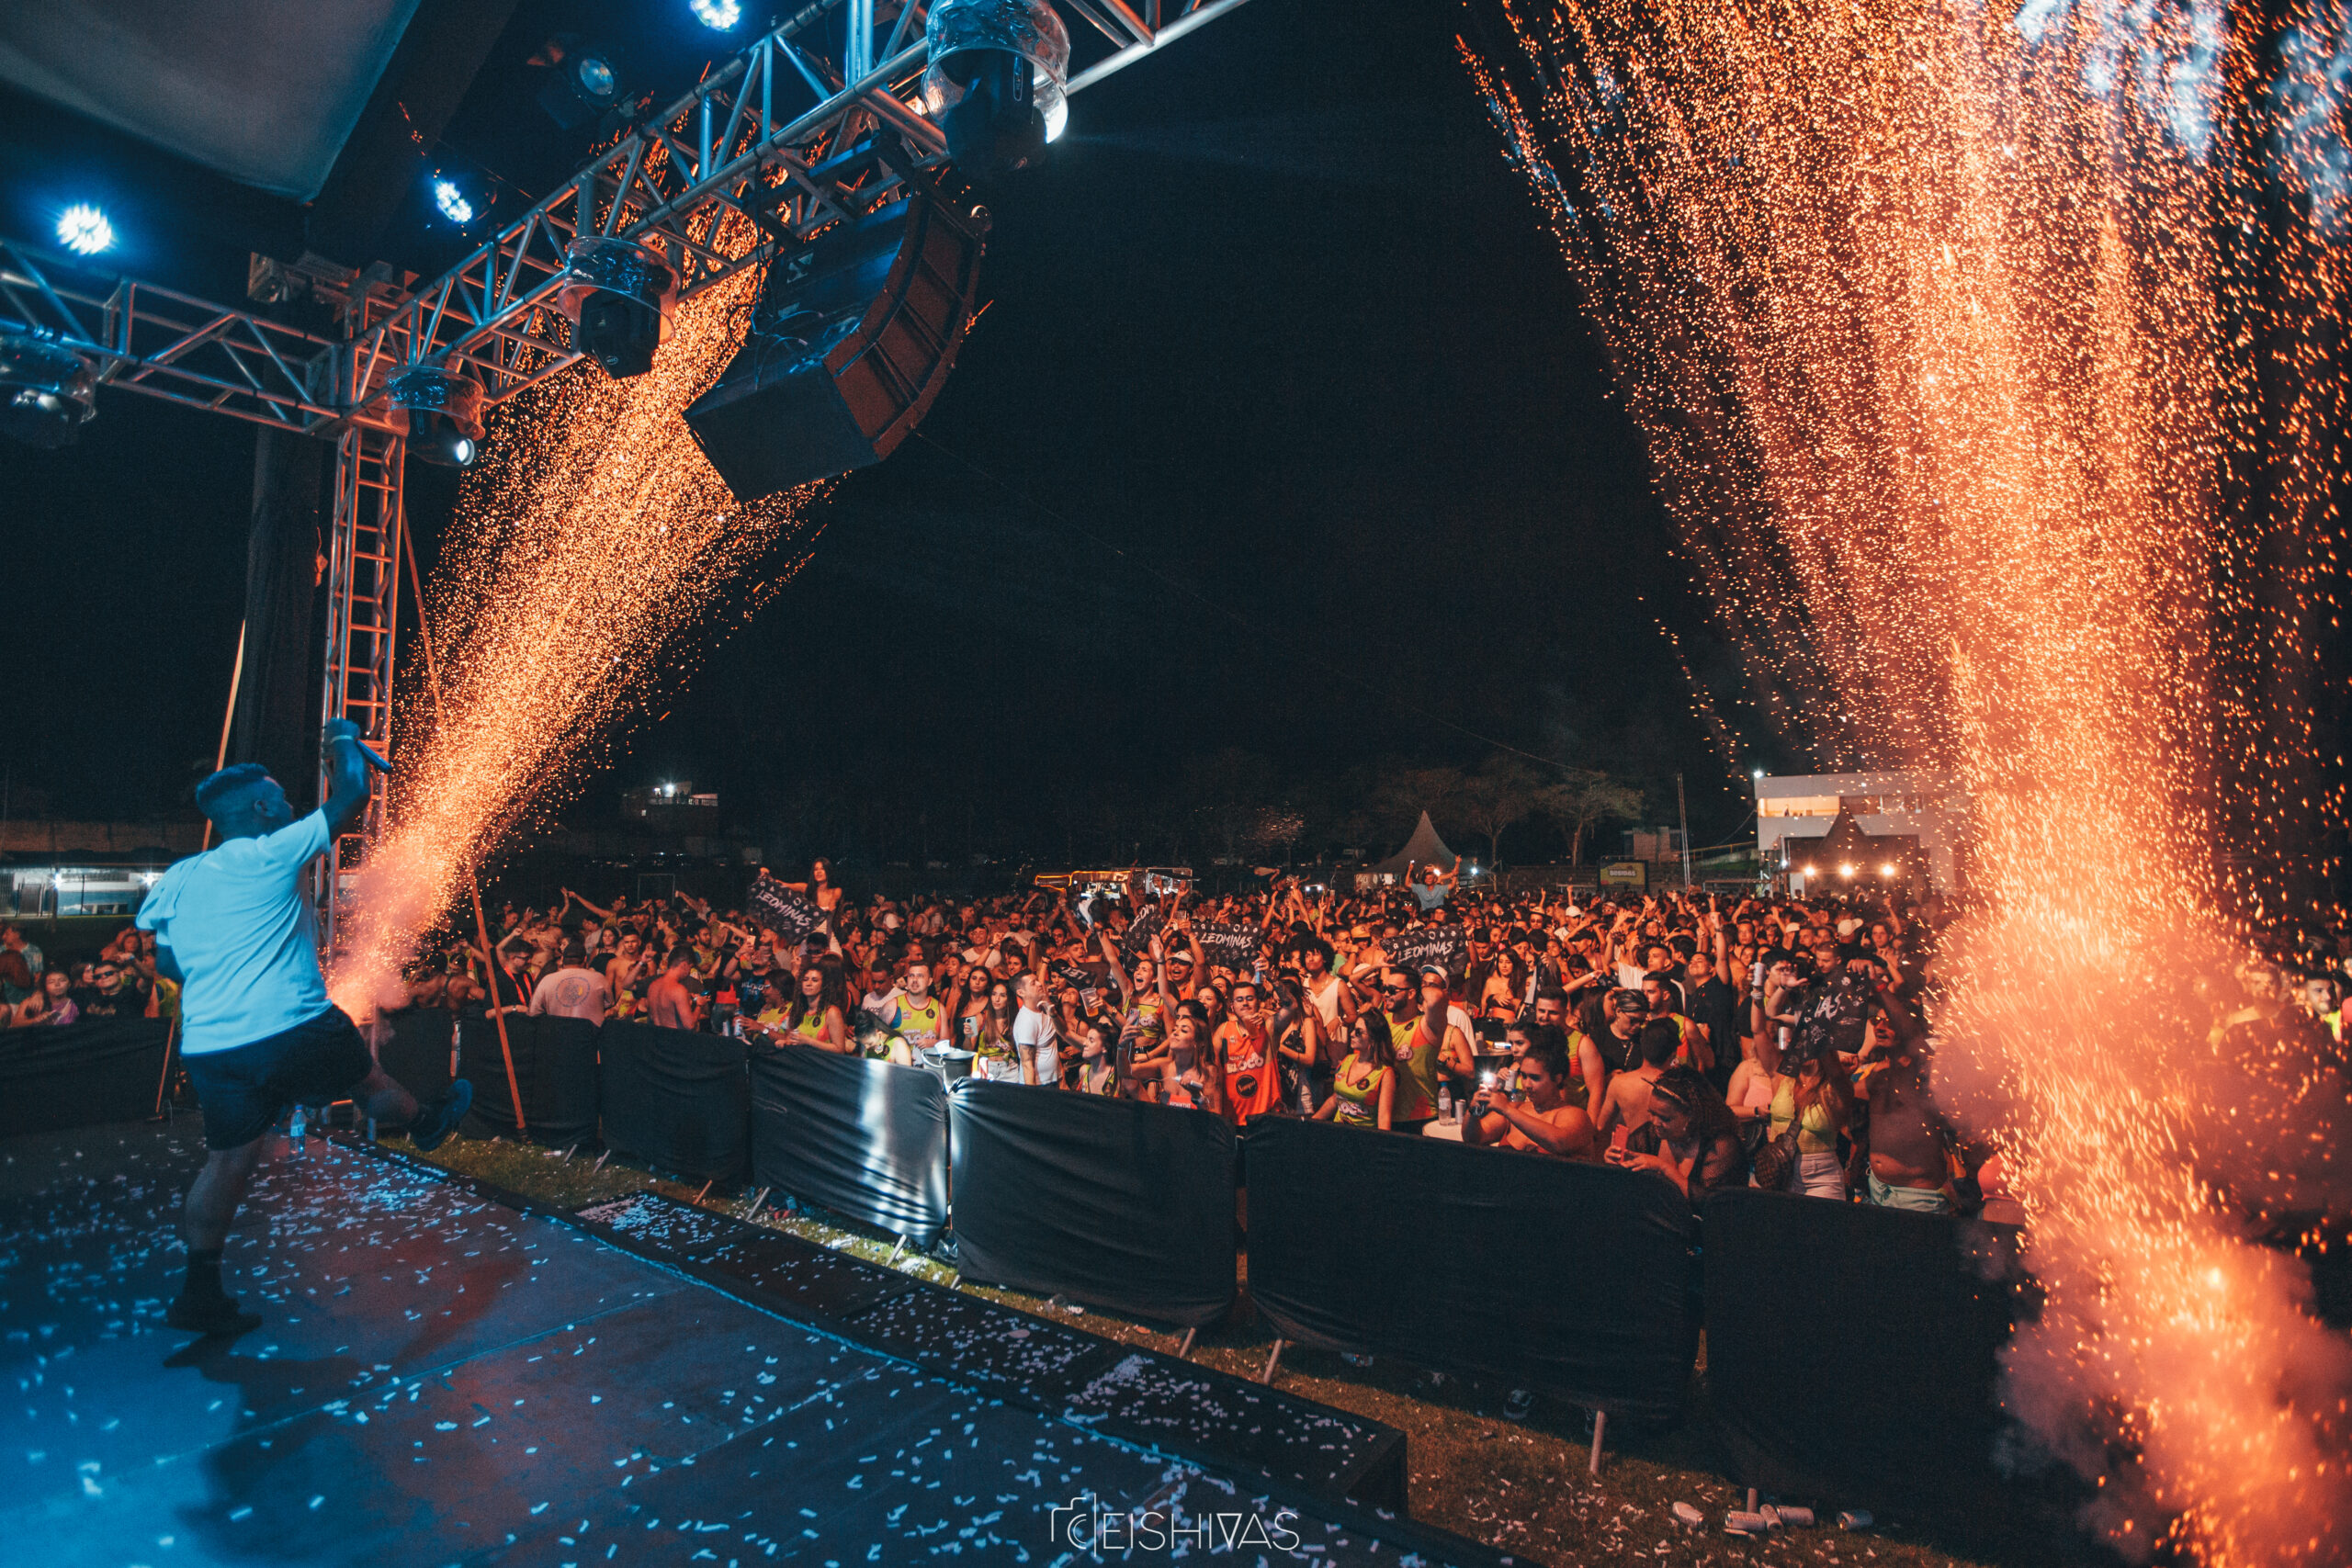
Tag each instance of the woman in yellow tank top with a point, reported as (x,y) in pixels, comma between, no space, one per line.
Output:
(817,1014)
(1817,1101)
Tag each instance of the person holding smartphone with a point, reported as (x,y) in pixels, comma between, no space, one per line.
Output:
(1543,1122)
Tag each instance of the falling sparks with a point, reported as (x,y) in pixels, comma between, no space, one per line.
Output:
(590,539)
(1986,358)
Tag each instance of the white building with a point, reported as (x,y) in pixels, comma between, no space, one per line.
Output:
(1918,825)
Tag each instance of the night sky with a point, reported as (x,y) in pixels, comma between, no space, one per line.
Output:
(1283,431)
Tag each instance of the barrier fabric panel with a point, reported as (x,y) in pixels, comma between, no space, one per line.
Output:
(555,1066)
(1811,1401)
(79,1075)
(418,1051)
(678,1100)
(1577,1279)
(1112,1203)
(865,1138)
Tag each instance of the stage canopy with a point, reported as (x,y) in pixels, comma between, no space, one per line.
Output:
(264,94)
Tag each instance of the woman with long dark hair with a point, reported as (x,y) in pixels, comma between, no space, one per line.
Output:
(822,890)
(994,1040)
(818,1012)
(1504,992)
(1364,1092)
(1817,1103)
(1699,1148)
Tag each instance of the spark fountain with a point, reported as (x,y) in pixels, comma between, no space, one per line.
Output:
(591,540)
(1986,359)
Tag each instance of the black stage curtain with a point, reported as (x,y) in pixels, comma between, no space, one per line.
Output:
(1569,1278)
(865,1138)
(678,1100)
(417,1055)
(79,1075)
(1851,1350)
(555,1066)
(1109,1202)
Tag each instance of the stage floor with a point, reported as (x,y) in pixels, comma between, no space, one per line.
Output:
(442,1378)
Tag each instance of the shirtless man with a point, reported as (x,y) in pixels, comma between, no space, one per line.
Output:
(1907,1166)
(668,1002)
(1627,1103)
(1546,1123)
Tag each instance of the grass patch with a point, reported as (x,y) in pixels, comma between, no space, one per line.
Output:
(1518,1486)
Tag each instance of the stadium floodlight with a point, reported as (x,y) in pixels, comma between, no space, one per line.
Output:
(451,200)
(996,82)
(442,413)
(84,229)
(48,392)
(719,14)
(618,296)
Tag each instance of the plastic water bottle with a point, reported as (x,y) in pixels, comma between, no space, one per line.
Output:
(1445,1103)
(294,1150)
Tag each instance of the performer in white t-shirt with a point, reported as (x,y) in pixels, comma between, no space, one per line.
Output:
(258,1033)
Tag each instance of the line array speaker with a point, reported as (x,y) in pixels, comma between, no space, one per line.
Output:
(852,337)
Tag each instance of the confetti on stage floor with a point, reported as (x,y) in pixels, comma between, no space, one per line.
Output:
(441,1377)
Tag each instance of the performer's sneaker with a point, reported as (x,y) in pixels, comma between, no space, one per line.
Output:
(216,1319)
(435,1121)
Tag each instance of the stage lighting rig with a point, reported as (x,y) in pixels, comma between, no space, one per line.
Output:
(580,81)
(84,229)
(720,14)
(48,392)
(443,415)
(450,201)
(618,296)
(995,85)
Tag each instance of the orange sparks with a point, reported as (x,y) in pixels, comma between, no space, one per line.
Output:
(1941,324)
(591,537)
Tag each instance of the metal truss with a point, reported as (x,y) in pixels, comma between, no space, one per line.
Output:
(779,135)
(167,345)
(781,132)
(363,615)
(784,136)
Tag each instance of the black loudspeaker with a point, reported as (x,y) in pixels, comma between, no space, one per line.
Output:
(852,337)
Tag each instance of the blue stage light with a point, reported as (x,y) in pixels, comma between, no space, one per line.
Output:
(719,14)
(452,201)
(84,229)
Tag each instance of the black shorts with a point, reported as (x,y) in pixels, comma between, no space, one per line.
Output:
(243,1089)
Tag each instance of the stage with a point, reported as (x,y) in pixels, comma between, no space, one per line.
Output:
(443,1378)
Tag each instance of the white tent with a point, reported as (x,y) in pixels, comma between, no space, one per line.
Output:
(1424,848)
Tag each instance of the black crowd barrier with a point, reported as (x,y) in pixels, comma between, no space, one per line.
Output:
(555,1068)
(1109,1202)
(78,1075)
(1573,1279)
(418,1050)
(678,1100)
(1852,1351)
(865,1138)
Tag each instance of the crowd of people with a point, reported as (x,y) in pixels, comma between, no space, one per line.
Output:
(1712,1041)
(120,982)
